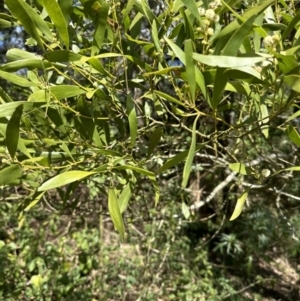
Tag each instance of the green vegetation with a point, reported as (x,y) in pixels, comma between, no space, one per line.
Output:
(149,151)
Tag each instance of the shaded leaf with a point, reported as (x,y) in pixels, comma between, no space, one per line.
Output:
(101,23)
(233,45)
(177,159)
(13,131)
(154,140)
(219,86)
(63,56)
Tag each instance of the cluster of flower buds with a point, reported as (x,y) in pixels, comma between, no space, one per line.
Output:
(210,16)
(270,42)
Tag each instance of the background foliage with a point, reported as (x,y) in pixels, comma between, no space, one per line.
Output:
(163,120)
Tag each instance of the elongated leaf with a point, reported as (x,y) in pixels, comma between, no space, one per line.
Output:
(168,97)
(177,51)
(178,158)
(114,211)
(130,108)
(201,83)
(192,7)
(240,168)
(190,68)
(293,134)
(190,157)
(63,56)
(124,197)
(13,131)
(58,92)
(294,168)
(16,54)
(34,201)
(293,81)
(87,122)
(16,79)
(25,14)
(185,210)
(219,86)
(155,38)
(5,97)
(66,8)
(265,119)
(227,61)
(57,17)
(233,45)
(154,140)
(295,115)
(140,170)
(256,10)
(10,174)
(28,63)
(7,109)
(239,205)
(64,179)
(291,26)
(101,23)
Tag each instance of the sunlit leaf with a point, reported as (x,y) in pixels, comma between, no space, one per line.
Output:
(255,10)
(239,205)
(29,19)
(190,68)
(57,17)
(114,211)
(64,179)
(58,92)
(36,281)
(34,202)
(227,61)
(293,81)
(130,108)
(240,168)
(10,174)
(124,197)
(185,210)
(16,79)
(293,134)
